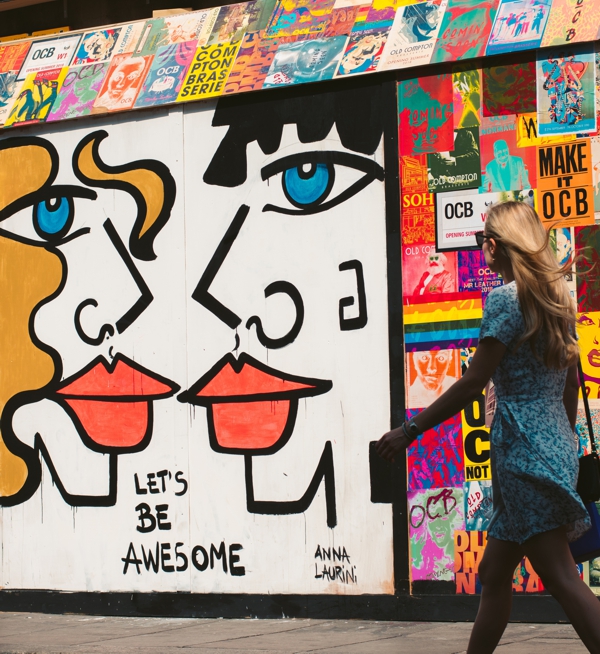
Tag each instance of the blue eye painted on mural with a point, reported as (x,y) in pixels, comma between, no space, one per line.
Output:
(308,184)
(308,179)
(52,218)
(47,216)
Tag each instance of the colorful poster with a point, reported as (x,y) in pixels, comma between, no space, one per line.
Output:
(166,75)
(426,115)
(478,505)
(294,17)
(128,38)
(581,427)
(565,184)
(434,517)
(78,92)
(122,83)
(13,56)
(465,30)
(458,215)
(305,61)
(252,63)
(418,209)
(588,333)
(597,57)
(572,21)
(158,32)
(342,21)
(587,244)
(413,35)
(460,167)
(364,49)
(519,25)
(505,166)
(233,21)
(37,95)
(11,60)
(428,273)
(49,54)
(507,89)
(435,460)
(96,46)
(474,274)
(469,547)
(430,373)
(451,323)
(594,576)
(566,91)
(595,142)
(527,133)
(476,441)
(466,83)
(208,72)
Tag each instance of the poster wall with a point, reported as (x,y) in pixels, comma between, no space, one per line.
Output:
(532,146)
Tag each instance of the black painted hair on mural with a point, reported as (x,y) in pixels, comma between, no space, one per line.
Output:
(356,113)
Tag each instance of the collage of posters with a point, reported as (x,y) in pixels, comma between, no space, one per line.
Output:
(273,43)
(469,138)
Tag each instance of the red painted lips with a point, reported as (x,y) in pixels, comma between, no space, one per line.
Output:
(251,407)
(112,403)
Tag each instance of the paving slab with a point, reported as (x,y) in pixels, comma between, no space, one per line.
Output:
(37,633)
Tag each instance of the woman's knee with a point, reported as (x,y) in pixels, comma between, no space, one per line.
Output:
(493,575)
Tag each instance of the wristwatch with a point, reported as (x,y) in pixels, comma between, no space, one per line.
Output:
(411,430)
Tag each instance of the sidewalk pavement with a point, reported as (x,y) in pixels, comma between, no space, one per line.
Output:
(38,633)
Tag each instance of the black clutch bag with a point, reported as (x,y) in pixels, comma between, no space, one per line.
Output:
(588,482)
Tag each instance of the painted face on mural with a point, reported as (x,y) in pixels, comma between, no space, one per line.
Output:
(95,235)
(289,298)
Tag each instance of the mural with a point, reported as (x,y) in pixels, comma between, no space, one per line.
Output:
(189,387)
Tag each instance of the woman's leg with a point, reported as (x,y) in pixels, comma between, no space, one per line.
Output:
(496,572)
(551,558)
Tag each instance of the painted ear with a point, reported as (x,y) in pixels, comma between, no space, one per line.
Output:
(348,324)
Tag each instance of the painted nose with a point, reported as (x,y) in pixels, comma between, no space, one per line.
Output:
(84,318)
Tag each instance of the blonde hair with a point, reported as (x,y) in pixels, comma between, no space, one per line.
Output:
(543,294)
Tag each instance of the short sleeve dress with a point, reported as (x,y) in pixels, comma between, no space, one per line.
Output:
(533,449)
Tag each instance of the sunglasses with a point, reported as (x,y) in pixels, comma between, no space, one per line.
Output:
(480,238)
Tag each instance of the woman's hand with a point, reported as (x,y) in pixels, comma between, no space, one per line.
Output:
(392,443)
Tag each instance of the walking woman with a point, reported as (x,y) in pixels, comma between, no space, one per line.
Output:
(527,344)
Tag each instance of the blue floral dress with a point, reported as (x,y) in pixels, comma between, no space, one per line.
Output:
(533,448)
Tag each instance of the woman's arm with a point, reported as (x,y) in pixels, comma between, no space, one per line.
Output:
(571,395)
(468,388)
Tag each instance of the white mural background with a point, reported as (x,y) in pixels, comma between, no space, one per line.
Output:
(202,496)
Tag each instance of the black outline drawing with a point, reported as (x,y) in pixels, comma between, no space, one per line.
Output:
(294,294)
(324,471)
(201,293)
(371,169)
(347,324)
(61,398)
(146,296)
(141,248)
(314,387)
